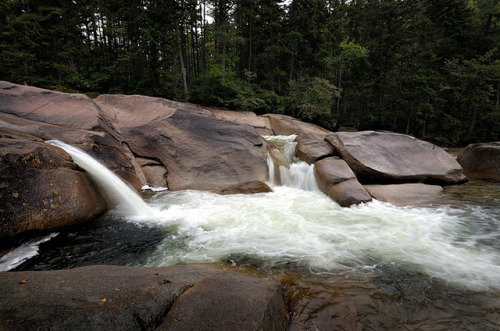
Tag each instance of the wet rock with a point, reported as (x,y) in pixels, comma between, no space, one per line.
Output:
(126,298)
(405,194)
(252,187)
(154,172)
(390,158)
(311,147)
(41,188)
(197,150)
(481,161)
(230,301)
(337,180)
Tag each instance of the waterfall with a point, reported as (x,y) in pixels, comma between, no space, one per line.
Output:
(126,198)
(292,172)
(299,175)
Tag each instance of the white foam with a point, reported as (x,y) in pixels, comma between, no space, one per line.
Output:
(154,188)
(22,253)
(308,229)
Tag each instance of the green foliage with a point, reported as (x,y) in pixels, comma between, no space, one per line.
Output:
(312,99)
(223,90)
(406,66)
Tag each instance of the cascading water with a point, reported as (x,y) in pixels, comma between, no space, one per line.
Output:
(399,261)
(298,224)
(297,173)
(126,198)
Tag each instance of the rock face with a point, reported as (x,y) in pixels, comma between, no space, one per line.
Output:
(74,111)
(72,118)
(125,298)
(286,125)
(41,188)
(311,148)
(389,158)
(197,150)
(244,117)
(404,194)
(337,180)
(229,301)
(481,161)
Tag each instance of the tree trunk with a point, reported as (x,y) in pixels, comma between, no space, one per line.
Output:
(340,90)
(250,44)
(408,120)
(184,76)
(472,124)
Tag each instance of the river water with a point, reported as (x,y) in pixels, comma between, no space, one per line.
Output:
(371,266)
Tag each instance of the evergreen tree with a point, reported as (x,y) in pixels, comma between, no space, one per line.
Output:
(425,68)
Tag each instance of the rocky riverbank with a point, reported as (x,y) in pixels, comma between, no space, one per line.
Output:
(124,298)
(157,142)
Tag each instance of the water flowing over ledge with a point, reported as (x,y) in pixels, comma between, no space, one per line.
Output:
(125,197)
(298,174)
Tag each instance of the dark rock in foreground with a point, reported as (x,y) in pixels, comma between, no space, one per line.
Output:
(392,158)
(126,298)
(229,301)
(41,188)
(481,161)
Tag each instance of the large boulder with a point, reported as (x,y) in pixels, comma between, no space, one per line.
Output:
(481,161)
(337,180)
(253,187)
(126,298)
(72,118)
(405,194)
(244,117)
(70,110)
(196,150)
(41,188)
(287,125)
(391,158)
(230,301)
(311,147)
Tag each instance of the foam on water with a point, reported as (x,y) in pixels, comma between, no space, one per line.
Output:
(307,229)
(299,174)
(22,253)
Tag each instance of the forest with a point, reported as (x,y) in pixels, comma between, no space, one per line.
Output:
(426,68)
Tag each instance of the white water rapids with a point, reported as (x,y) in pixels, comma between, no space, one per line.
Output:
(296,226)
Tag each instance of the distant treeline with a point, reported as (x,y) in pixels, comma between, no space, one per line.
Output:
(421,67)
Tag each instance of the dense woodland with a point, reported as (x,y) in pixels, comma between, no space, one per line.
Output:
(426,68)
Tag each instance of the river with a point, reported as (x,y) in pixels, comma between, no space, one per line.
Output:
(372,266)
